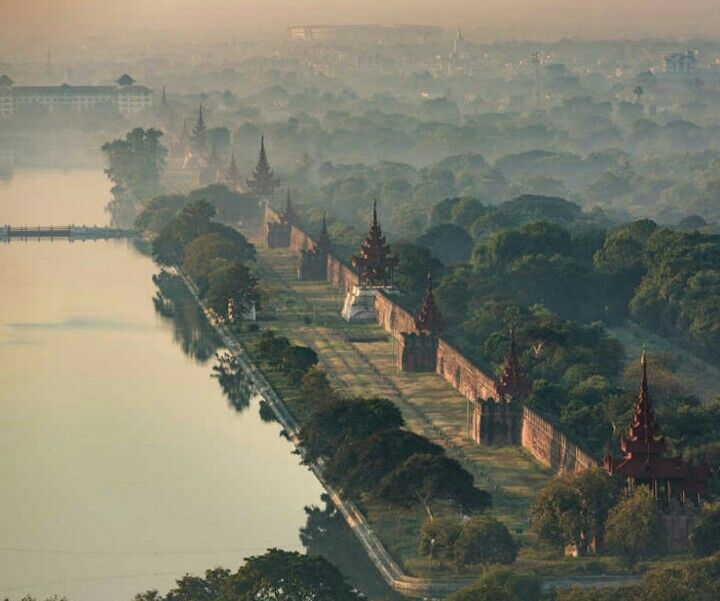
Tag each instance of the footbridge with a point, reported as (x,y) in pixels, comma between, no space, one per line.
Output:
(68,232)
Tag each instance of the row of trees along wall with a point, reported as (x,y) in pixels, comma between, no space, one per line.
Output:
(542,439)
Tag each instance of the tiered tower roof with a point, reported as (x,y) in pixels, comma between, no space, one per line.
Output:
(199,133)
(289,215)
(644,447)
(512,383)
(323,242)
(429,320)
(375,265)
(263,181)
(232,173)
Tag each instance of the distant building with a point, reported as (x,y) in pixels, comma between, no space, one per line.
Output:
(681,61)
(364,34)
(125,96)
(462,50)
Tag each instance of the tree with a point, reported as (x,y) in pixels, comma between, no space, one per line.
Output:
(316,387)
(705,535)
(200,252)
(438,537)
(287,575)
(160,211)
(299,358)
(573,509)
(343,421)
(235,287)
(192,222)
(635,528)
(485,540)
(450,243)
(360,466)
(695,580)
(136,163)
(271,348)
(196,588)
(501,584)
(423,479)
(411,272)
(231,206)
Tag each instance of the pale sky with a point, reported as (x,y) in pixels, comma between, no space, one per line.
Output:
(538,19)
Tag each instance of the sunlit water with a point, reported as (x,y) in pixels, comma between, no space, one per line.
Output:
(122,464)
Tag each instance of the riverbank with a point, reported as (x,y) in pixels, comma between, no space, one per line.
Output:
(564,572)
(386,565)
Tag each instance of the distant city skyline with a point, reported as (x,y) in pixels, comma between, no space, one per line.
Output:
(487,19)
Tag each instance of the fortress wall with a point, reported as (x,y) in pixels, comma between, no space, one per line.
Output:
(393,318)
(545,442)
(550,446)
(463,374)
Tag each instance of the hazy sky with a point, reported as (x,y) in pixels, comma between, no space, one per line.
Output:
(498,18)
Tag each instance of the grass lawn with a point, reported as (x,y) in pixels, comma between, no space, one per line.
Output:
(359,361)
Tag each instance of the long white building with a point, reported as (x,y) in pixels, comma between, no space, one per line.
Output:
(125,96)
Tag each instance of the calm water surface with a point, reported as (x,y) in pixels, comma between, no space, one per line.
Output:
(122,464)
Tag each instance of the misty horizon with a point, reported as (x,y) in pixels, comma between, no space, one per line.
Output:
(542,20)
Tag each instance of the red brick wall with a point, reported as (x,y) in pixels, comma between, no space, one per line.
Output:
(464,375)
(550,446)
(299,240)
(391,316)
(340,276)
(545,442)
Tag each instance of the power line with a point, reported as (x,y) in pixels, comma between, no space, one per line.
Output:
(132,552)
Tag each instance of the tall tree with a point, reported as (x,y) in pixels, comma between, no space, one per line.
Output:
(136,163)
(283,575)
(424,479)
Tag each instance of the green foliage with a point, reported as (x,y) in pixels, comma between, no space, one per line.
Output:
(626,593)
(485,540)
(316,387)
(277,352)
(274,575)
(449,243)
(423,479)
(705,535)
(136,163)
(438,537)
(411,272)
(698,580)
(361,465)
(341,422)
(196,588)
(232,285)
(158,212)
(695,580)
(573,509)
(199,254)
(232,206)
(501,584)
(680,294)
(287,575)
(192,222)
(635,528)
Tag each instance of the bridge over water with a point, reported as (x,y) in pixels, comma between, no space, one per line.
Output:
(70,232)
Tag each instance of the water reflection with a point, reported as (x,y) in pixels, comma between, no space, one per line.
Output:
(232,379)
(327,534)
(174,302)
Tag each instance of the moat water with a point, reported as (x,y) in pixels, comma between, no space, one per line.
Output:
(123,464)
